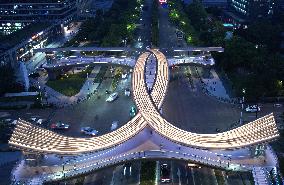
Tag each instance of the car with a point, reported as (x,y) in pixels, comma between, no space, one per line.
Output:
(277,105)
(60,126)
(127,92)
(132,112)
(124,76)
(14,122)
(32,119)
(112,97)
(252,108)
(40,121)
(89,131)
(114,125)
(165,173)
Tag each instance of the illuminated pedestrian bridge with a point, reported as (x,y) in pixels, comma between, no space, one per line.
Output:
(149,135)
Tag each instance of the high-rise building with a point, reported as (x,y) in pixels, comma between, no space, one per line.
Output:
(15,14)
(252,9)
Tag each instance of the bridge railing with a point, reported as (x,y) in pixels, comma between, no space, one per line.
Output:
(154,154)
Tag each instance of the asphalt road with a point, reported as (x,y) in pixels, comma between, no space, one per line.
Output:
(96,112)
(193,110)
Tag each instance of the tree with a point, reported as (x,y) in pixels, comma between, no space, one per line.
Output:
(7,79)
(263,33)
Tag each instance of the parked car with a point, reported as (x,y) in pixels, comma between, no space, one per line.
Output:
(165,173)
(114,125)
(252,108)
(89,131)
(112,97)
(60,126)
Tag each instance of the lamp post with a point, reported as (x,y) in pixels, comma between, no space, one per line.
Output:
(242,101)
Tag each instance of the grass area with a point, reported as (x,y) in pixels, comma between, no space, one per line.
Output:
(219,177)
(101,74)
(71,84)
(148,173)
(117,76)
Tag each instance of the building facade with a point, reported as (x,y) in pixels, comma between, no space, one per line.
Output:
(252,9)
(15,14)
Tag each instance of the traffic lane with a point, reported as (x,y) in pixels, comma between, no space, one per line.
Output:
(182,107)
(96,112)
(167,35)
(26,115)
(145,28)
(265,108)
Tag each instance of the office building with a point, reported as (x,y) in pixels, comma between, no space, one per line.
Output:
(15,14)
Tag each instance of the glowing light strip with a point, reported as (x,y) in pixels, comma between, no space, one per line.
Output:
(33,138)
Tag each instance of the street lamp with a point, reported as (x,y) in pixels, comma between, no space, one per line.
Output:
(242,101)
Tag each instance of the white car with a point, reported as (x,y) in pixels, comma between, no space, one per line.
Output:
(253,108)
(124,76)
(39,121)
(89,131)
(112,97)
(277,105)
(127,92)
(114,125)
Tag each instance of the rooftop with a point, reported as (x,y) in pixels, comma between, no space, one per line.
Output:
(9,41)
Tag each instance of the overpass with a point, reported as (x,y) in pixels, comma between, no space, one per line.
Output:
(120,49)
(111,49)
(205,49)
(126,61)
(147,135)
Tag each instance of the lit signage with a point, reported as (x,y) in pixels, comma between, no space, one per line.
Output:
(163,1)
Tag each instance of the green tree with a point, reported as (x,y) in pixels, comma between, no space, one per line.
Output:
(7,79)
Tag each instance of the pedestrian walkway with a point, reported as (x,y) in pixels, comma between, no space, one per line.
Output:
(259,176)
(89,87)
(215,86)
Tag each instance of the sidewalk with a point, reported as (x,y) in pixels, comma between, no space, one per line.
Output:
(213,86)
(89,87)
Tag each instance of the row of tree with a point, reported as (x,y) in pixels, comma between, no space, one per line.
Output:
(178,16)
(114,28)
(8,80)
(251,59)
